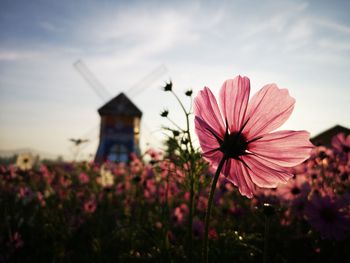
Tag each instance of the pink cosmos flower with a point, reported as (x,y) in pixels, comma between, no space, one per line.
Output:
(90,206)
(84,178)
(239,134)
(329,216)
(295,187)
(341,143)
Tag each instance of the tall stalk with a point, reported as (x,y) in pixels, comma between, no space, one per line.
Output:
(191,175)
(208,212)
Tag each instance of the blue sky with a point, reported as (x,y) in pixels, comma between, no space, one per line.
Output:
(303,46)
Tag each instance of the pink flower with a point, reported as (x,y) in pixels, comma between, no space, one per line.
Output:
(180,213)
(239,132)
(340,143)
(295,187)
(329,216)
(41,199)
(16,240)
(84,178)
(90,206)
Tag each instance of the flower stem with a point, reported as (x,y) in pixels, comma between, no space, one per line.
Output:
(208,212)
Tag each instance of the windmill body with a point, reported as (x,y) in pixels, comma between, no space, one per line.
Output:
(120,118)
(119,130)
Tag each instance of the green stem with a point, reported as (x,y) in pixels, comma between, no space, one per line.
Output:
(177,126)
(207,215)
(187,119)
(188,131)
(182,106)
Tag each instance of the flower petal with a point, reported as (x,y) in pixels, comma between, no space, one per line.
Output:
(206,107)
(268,109)
(264,173)
(208,140)
(239,176)
(338,141)
(234,96)
(284,148)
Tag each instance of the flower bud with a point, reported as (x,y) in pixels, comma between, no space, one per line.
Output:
(176,133)
(168,86)
(189,93)
(164,113)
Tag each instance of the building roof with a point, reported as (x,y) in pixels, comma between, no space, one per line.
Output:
(120,105)
(325,138)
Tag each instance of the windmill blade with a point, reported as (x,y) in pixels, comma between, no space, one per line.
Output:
(146,81)
(93,82)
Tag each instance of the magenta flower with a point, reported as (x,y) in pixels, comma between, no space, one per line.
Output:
(329,216)
(84,178)
(341,143)
(90,206)
(239,134)
(297,186)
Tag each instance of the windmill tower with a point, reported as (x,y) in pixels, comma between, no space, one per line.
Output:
(119,130)
(120,117)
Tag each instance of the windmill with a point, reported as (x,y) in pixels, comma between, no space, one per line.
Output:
(120,117)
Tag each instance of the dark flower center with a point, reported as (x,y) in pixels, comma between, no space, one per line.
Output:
(328,215)
(295,190)
(234,145)
(323,155)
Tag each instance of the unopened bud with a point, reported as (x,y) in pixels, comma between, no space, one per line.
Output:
(164,113)
(168,86)
(188,93)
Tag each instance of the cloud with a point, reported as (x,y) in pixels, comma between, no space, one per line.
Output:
(138,34)
(16,55)
(332,25)
(50,27)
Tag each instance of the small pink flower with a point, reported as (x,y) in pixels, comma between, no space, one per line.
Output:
(23,192)
(65,180)
(41,199)
(341,143)
(46,174)
(180,213)
(298,185)
(90,206)
(154,154)
(16,240)
(240,133)
(158,225)
(84,178)
(213,234)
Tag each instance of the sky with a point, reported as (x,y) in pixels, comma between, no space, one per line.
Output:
(303,46)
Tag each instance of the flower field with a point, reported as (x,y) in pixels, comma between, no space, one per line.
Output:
(153,208)
(140,212)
